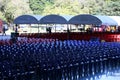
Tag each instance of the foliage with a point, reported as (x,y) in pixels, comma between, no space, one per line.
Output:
(63,7)
(38,6)
(110,8)
(10,9)
(73,7)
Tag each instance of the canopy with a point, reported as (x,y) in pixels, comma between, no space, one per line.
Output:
(106,20)
(25,19)
(53,19)
(38,17)
(116,19)
(67,17)
(1,23)
(85,19)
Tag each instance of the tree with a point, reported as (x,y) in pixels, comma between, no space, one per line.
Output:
(38,6)
(3,4)
(11,9)
(57,7)
(109,8)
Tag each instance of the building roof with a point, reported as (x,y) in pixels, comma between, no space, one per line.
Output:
(85,19)
(106,20)
(53,19)
(25,19)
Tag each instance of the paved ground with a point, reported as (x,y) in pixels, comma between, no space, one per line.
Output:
(7,36)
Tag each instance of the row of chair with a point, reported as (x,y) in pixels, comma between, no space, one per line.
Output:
(25,57)
(21,40)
